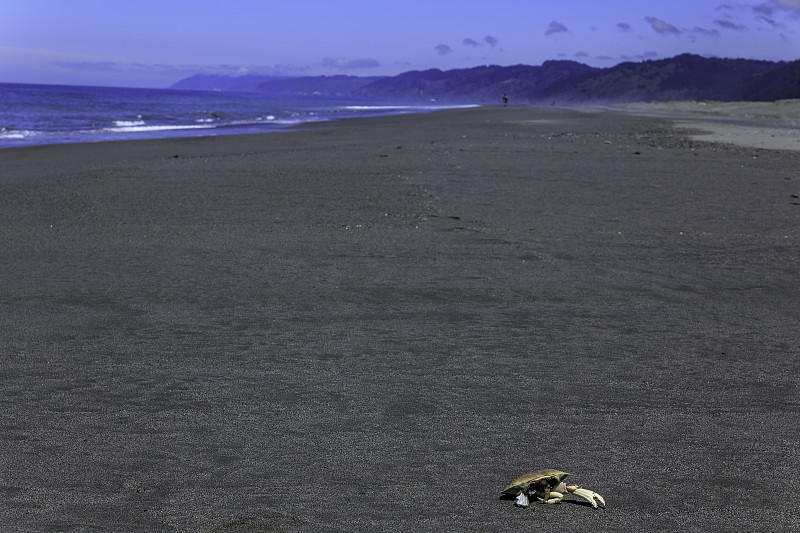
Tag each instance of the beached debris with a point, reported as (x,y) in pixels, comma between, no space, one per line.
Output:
(547,486)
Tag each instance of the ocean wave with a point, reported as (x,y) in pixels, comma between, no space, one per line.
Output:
(108,114)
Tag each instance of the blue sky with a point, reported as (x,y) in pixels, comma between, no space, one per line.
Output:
(154,43)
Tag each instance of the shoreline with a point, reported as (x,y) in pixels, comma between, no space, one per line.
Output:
(377,323)
(109,114)
(763,125)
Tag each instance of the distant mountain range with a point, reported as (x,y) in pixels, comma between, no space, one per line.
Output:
(277,85)
(684,77)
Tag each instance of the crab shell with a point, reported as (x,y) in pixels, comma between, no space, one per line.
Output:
(539,478)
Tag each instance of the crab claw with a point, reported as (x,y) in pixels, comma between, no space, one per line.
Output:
(522,500)
(588,495)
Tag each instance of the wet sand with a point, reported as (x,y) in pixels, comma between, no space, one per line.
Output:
(376,324)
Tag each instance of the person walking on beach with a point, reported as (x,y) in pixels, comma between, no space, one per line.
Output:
(505,100)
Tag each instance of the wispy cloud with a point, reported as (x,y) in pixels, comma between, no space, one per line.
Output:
(491,41)
(764,9)
(792,6)
(771,12)
(100,66)
(768,19)
(624,26)
(179,70)
(728,25)
(346,63)
(704,32)
(555,27)
(661,27)
(443,49)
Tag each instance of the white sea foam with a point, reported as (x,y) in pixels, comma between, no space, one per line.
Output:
(377,107)
(128,123)
(403,107)
(6,134)
(16,134)
(142,128)
(297,119)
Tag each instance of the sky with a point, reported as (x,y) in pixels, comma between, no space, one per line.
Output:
(155,43)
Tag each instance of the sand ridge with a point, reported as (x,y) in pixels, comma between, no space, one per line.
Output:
(765,125)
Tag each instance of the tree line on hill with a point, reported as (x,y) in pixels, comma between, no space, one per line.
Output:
(684,77)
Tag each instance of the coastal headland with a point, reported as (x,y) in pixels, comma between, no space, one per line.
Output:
(375,324)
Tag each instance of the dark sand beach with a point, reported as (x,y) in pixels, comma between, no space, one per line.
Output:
(375,324)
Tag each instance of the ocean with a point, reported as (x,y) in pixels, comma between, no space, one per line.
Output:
(53,114)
